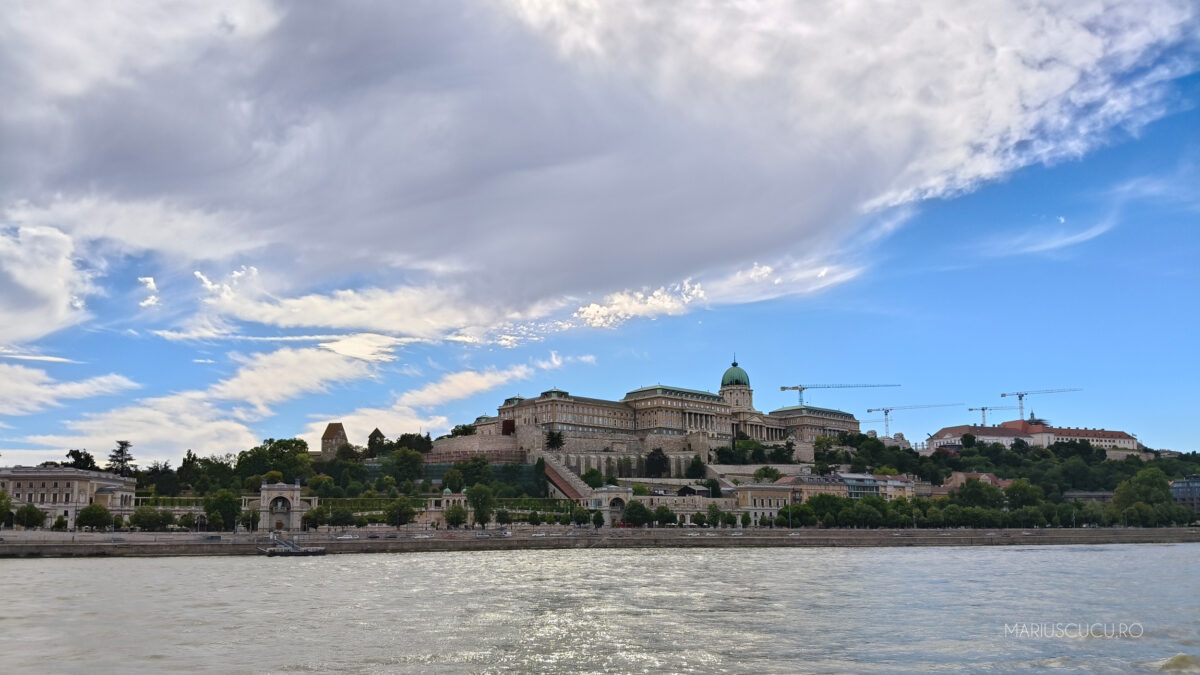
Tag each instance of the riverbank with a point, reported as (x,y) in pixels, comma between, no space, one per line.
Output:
(65,545)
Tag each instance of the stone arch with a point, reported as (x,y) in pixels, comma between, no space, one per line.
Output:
(616,509)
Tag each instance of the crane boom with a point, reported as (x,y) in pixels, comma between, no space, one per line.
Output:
(887,412)
(983,410)
(799,388)
(1022,394)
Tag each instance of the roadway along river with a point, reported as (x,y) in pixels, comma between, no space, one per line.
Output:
(628,610)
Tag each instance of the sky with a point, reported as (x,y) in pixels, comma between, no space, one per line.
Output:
(228,221)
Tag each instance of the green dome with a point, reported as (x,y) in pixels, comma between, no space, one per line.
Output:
(735,375)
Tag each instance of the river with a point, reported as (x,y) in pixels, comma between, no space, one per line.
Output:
(771,610)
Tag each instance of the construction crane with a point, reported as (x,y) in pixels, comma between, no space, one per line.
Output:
(1022,394)
(984,408)
(887,412)
(799,388)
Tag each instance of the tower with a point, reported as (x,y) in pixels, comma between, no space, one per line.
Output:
(735,389)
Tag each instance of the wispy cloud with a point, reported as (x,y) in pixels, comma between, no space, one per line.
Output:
(1044,240)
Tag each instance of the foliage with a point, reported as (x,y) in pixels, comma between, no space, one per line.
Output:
(81,459)
(462,430)
(767,474)
(456,515)
(636,514)
(695,468)
(598,519)
(5,505)
(312,518)
(482,503)
(475,471)
(657,464)
(535,518)
(593,478)
(95,516)
(554,440)
(582,516)
(640,490)
(222,508)
(503,517)
(404,465)
(663,515)
(30,516)
(453,480)
(120,460)
(400,512)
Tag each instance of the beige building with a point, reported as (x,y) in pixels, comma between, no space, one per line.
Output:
(1038,435)
(675,419)
(64,491)
(763,500)
(810,485)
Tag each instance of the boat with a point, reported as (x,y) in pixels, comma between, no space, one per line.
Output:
(290,548)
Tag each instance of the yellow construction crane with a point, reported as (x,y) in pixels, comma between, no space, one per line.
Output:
(984,408)
(799,388)
(1022,394)
(887,412)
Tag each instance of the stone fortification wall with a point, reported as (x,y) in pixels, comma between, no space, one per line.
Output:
(498,449)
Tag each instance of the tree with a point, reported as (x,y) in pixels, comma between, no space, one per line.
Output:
(5,507)
(593,478)
(224,504)
(598,519)
(482,502)
(29,516)
(400,512)
(1021,494)
(535,518)
(503,517)
(81,459)
(745,519)
(663,515)
(581,516)
(312,518)
(95,516)
(695,468)
(60,524)
(637,514)
(714,515)
(456,515)
(699,520)
(248,519)
(462,430)
(146,518)
(341,517)
(120,460)
(475,470)
(968,440)
(453,480)
(714,488)
(554,440)
(405,465)
(657,464)
(767,473)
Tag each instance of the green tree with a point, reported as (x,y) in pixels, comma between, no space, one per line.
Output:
(1022,493)
(503,517)
(581,516)
(699,520)
(976,493)
(81,459)
(663,515)
(6,507)
(146,518)
(400,512)
(714,515)
(29,516)
(248,519)
(187,521)
(60,524)
(593,478)
(312,518)
(535,518)
(223,503)
(341,517)
(120,460)
(453,480)
(657,464)
(768,474)
(695,468)
(598,519)
(405,465)
(745,519)
(482,503)
(272,477)
(637,514)
(462,430)
(554,440)
(95,516)
(456,516)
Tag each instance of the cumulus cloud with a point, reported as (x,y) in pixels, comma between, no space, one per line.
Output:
(42,289)
(29,390)
(162,428)
(557,155)
(265,379)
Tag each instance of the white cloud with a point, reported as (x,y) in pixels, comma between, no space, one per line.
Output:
(42,290)
(148,282)
(462,384)
(265,379)
(27,355)
(203,361)
(617,308)
(161,428)
(1045,240)
(28,390)
(365,346)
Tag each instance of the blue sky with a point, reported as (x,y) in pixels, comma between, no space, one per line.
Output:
(223,223)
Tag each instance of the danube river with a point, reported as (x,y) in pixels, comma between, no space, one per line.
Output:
(1115,608)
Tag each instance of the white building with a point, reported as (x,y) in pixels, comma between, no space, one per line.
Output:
(64,491)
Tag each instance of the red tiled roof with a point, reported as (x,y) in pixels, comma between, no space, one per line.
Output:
(334,430)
